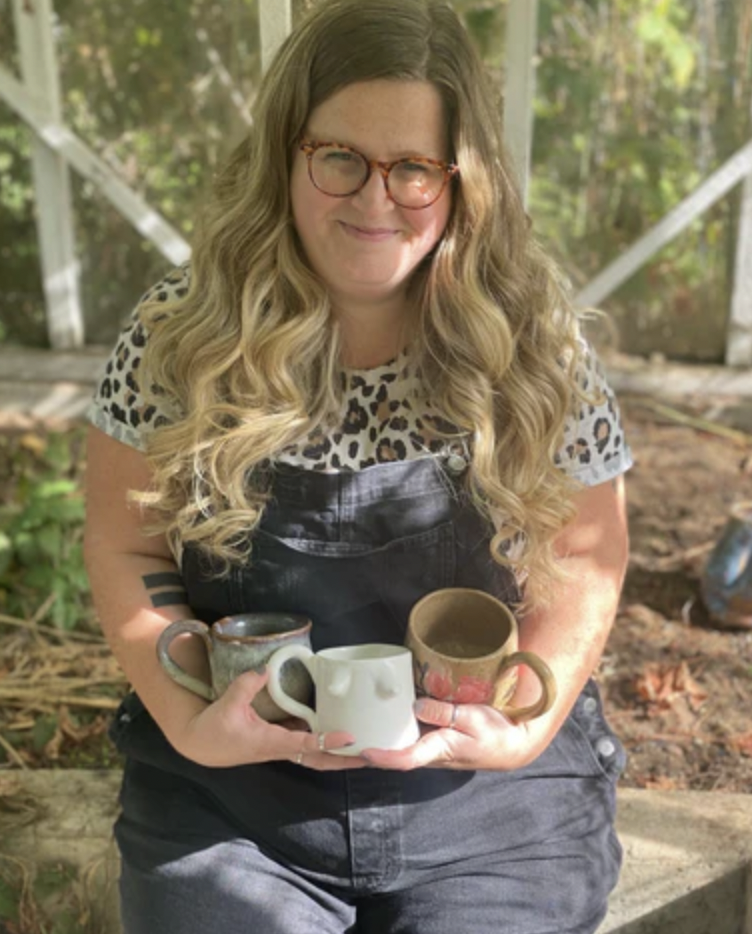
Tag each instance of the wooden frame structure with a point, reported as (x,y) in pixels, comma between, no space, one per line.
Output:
(56,149)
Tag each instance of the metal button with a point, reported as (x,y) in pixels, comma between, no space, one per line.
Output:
(456,463)
(590,705)
(606,748)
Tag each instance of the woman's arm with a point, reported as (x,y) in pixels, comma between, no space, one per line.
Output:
(569,633)
(121,559)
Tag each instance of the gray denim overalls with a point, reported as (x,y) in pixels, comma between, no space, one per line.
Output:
(280,849)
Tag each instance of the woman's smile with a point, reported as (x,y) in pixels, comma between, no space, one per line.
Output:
(369,234)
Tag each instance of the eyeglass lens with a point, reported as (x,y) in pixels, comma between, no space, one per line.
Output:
(340,172)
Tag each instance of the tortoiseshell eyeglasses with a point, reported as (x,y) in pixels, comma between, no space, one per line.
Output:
(341,171)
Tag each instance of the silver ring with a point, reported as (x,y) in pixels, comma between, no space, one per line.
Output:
(320,739)
(299,758)
(453,718)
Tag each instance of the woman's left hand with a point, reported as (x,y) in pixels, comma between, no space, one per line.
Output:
(479,737)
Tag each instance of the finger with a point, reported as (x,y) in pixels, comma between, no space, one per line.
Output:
(439,713)
(326,762)
(324,756)
(246,686)
(431,750)
(312,746)
(324,742)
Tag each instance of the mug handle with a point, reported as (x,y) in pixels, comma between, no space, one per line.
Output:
(274,667)
(547,682)
(193,627)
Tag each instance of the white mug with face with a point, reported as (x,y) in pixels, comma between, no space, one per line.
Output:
(365,690)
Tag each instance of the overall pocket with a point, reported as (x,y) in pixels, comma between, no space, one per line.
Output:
(354,593)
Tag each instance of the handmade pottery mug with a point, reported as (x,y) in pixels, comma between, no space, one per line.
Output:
(365,690)
(242,643)
(464,646)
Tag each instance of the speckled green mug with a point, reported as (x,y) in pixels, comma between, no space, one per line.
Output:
(242,643)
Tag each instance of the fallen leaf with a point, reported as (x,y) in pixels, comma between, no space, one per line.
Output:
(33,443)
(662,783)
(742,744)
(660,686)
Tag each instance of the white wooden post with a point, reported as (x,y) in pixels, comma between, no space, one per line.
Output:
(739,336)
(693,206)
(51,178)
(62,141)
(519,92)
(275,18)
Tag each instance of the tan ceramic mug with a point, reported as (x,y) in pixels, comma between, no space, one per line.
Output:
(464,646)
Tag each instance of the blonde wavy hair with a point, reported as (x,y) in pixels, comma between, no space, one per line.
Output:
(250,357)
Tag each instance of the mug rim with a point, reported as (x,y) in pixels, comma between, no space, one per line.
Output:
(283,636)
(385,651)
(444,593)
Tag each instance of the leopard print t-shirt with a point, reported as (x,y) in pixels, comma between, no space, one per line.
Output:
(381,420)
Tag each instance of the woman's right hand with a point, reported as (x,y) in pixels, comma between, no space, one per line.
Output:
(229,732)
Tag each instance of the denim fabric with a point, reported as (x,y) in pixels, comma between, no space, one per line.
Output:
(280,848)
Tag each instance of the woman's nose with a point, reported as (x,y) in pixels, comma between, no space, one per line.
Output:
(373,194)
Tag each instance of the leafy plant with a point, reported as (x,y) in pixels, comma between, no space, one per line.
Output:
(41,555)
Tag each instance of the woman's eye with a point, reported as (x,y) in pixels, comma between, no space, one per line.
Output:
(413,168)
(341,156)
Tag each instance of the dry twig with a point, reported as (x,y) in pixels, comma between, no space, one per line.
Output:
(695,421)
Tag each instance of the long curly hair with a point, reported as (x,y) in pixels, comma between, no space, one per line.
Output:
(250,357)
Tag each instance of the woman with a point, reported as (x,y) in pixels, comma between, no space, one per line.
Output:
(369,384)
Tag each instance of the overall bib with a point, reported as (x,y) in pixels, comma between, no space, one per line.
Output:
(280,849)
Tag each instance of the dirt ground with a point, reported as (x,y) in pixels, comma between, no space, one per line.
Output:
(677,688)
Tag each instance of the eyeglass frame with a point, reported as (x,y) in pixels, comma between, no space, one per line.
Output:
(310,147)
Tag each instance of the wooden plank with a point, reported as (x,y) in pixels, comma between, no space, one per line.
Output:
(739,338)
(519,92)
(63,141)
(50,818)
(692,207)
(32,364)
(275,20)
(51,179)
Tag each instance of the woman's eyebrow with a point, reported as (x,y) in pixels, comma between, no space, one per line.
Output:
(399,154)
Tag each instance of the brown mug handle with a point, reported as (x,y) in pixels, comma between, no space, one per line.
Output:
(195,628)
(547,682)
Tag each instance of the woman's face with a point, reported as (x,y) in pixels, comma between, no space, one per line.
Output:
(364,246)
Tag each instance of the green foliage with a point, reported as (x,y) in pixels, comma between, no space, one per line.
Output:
(43,731)
(638,100)
(41,557)
(635,108)
(8,901)
(54,902)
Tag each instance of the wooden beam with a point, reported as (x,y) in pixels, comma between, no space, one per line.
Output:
(519,92)
(62,141)
(51,179)
(739,337)
(275,19)
(692,207)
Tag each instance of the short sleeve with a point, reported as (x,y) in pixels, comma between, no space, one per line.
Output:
(594,449)
(119,407)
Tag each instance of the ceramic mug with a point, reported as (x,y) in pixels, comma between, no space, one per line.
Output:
(365,690)
(464,646)
(242,643)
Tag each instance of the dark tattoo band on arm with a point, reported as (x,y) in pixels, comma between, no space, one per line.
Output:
(163,579)
(169,598)
(175,597)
